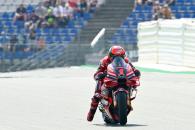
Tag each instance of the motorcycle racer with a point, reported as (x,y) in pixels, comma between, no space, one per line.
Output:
(101,73)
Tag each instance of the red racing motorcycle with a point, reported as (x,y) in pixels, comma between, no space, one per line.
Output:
(120,83)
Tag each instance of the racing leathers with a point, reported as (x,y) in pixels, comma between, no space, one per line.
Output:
(99,76)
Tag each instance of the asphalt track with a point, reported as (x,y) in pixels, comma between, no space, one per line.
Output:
(58,99)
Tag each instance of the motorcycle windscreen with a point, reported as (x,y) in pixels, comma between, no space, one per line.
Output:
(118,62)
(119,65)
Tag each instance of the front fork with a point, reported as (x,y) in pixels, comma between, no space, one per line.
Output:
(107,101)
(128,92)
(131,95)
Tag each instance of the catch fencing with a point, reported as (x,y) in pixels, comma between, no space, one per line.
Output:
(167,42)
(28,56)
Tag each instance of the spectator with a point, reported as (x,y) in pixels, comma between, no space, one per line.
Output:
(166,12)
(47,3)
(41,11)
(63,14)
(58,13)
(156,11)
(68,11)
(73,4)
(82,6)
(92,5)
(50,19)
(32,20)
(31,41)
(41,23)
(20,13)
(33,17)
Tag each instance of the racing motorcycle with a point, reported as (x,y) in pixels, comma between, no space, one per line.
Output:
(120,83)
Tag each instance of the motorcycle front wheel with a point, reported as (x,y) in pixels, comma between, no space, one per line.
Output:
(121,98)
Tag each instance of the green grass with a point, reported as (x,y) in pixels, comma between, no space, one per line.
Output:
(142,69)
(164,71)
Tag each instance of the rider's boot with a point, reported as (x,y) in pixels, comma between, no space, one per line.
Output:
(93,108)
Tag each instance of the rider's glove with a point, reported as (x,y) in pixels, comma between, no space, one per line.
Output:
(100,76)
(137,73)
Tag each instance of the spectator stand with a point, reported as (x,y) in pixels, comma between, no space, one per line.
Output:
(127,33)
(28,36)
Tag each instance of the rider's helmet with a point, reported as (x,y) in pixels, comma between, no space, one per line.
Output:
(116,51)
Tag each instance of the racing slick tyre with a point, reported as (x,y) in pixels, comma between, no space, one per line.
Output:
(121,99)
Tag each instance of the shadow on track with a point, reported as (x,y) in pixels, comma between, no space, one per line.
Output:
(118,125)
